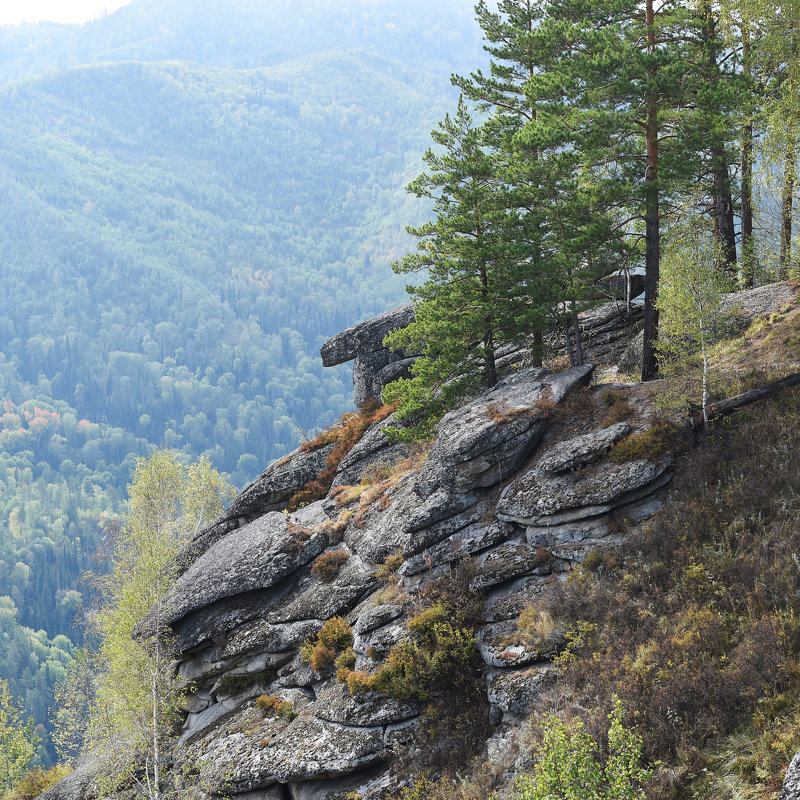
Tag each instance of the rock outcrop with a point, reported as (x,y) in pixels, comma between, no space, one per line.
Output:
(518,483)
(522,484)
(374,365)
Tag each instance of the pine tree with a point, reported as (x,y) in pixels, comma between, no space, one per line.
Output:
(617,68)
(563,233)
(471,303)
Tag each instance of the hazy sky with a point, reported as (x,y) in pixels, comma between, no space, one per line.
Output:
(13,12)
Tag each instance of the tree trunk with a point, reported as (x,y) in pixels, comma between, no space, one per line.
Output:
(568,340)
(724,211)
(725,407)
(652,230)
(748,245)
(577,328)
(537,351)
(490,365)
(786,212)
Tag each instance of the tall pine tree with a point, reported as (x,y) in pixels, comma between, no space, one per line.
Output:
(471,303)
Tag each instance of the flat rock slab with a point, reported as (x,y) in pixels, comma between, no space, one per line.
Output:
(364,337)
(535,494)
(256,556)
(253,750)
(516,691)
(485,440)
(78,785)
(582,449)
(268,638)
(315,599)
(278,482)
(366,709)
(410,522)
(381,639)
(215,622)
(511,560)
(371,783)
(466,542)
(508,601)
(550,536)
(377,617)
(500,647)
(312,748)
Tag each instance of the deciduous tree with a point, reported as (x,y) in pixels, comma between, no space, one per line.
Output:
(18,741)
(138,695)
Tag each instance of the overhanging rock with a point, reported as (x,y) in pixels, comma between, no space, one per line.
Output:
(375,365)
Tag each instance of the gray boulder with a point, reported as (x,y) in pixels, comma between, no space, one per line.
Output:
(484,441)
(314,599)
(512,560)
(501,647)
(254,557)
(466,542)
(365,337)
(535,496)
(368,709)
(252,750)
(78,785)
(370,452)
(516,691)
(271,491)
(791,783)
(377,617)
(582,449)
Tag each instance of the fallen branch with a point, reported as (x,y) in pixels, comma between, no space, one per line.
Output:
(724,407)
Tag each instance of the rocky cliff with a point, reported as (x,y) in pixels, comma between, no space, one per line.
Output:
(518,483)
(521,484)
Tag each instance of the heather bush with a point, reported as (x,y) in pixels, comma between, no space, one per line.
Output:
(692,622)
(274,706)
(326,566)
(334,637)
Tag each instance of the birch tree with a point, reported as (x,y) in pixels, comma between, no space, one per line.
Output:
(690,297)
(138,698)
(18,741)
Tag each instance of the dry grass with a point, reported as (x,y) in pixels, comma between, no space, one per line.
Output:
(345,435)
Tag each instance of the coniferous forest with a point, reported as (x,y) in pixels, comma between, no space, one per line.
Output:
(193,201)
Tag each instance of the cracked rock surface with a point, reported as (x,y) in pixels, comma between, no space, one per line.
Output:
(517,484)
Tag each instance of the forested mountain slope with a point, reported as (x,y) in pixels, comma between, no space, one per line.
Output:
(437,35)
(194,197)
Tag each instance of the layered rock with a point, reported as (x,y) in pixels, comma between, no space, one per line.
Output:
(374,365)
(510,485)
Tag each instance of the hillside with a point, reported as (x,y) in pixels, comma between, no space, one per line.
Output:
(560,543)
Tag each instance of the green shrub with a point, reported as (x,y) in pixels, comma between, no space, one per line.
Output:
(438,666)
(390,565)
(569,765)
(37,781)
(334,637)
(661,437)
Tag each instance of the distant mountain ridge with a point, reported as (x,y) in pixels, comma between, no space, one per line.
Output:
(255,33)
